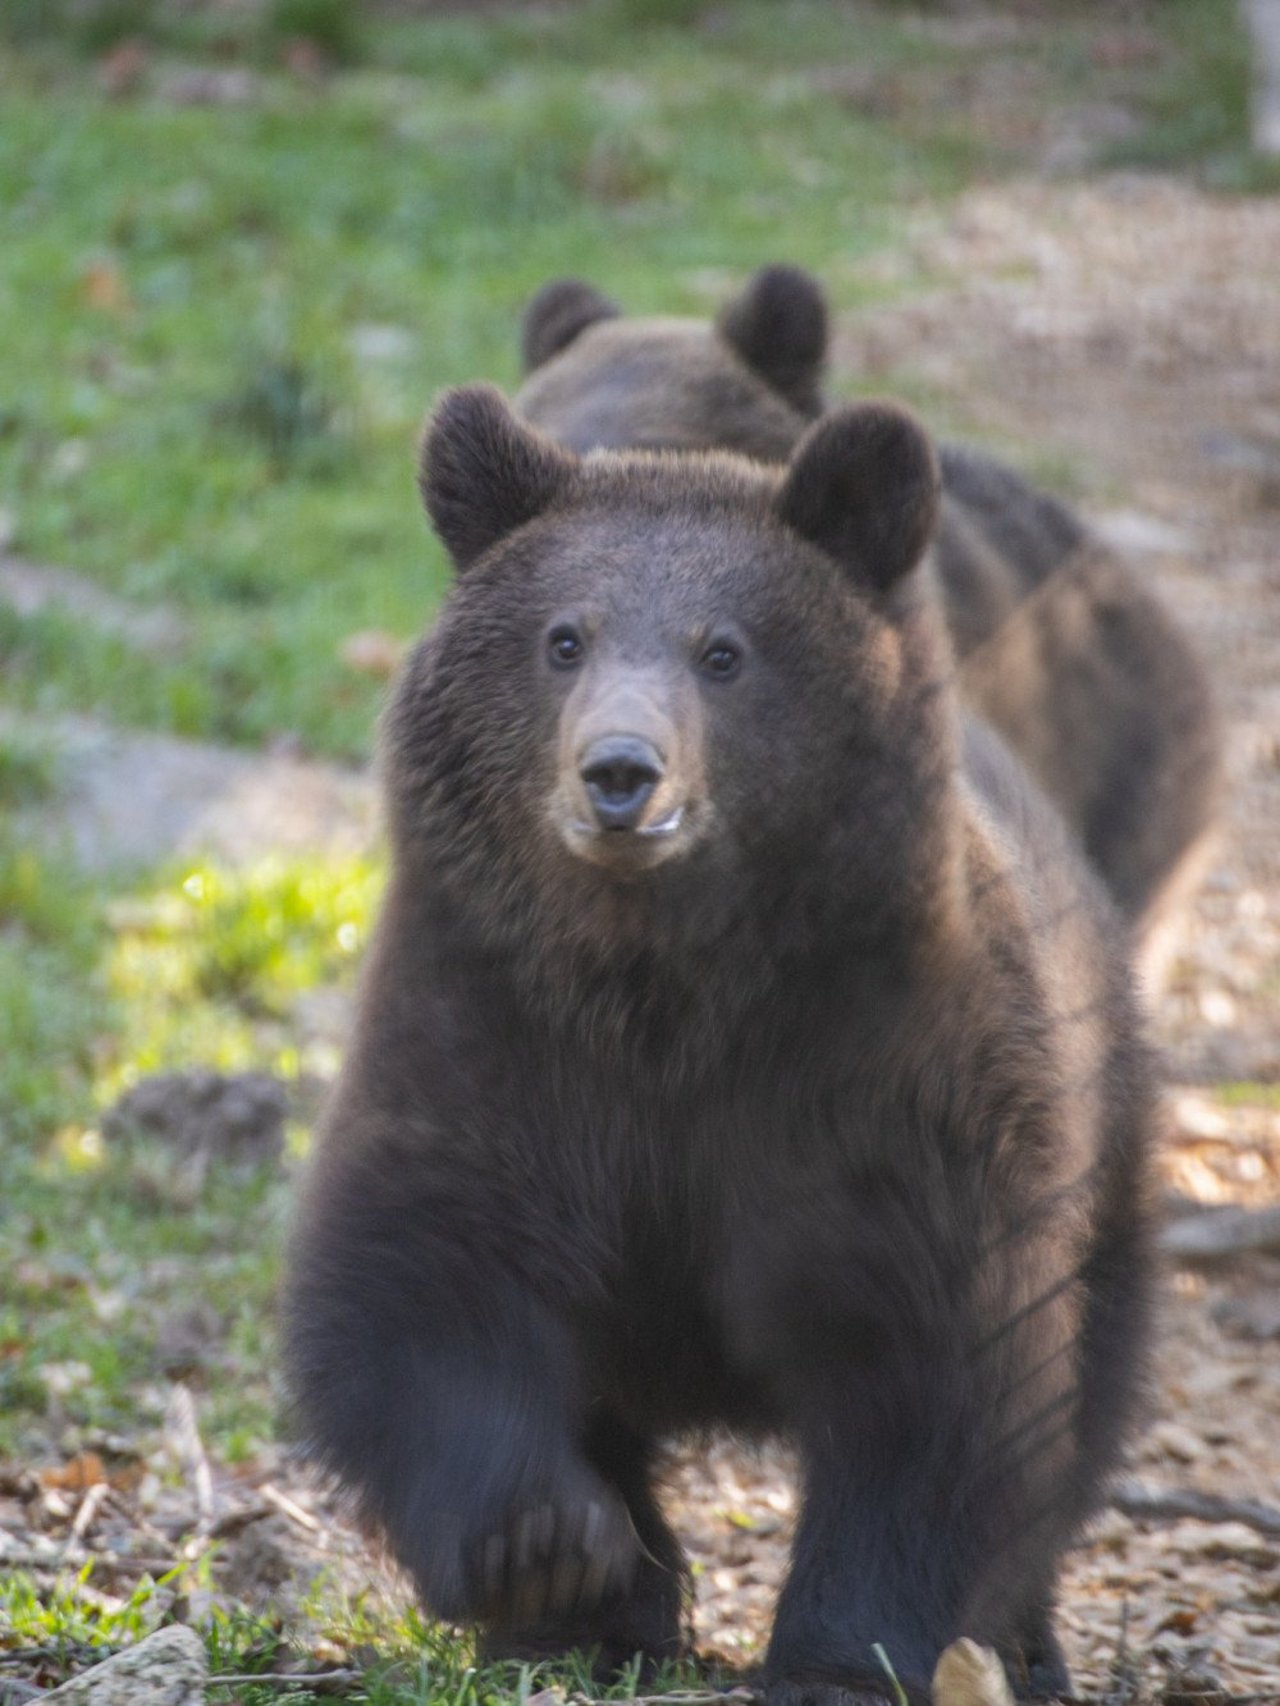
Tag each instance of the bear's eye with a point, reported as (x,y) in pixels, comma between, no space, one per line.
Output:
(565,646)
(721,659)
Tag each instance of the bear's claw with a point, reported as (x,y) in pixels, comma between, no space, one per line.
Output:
(550,1559)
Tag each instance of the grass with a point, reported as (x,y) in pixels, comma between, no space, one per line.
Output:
(27,769)
(418,1664)
(187,291)
(220,325)
(432,205)
(1246,1093)
(106,1243)
(204,966)
(52,999)
(1196,107)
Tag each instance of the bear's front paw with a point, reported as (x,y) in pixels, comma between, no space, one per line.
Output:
(550,1558)
(828,1691)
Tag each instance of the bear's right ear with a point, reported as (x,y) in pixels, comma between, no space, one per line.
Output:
(482,473)
(559,313)
(778,325)
(864,486)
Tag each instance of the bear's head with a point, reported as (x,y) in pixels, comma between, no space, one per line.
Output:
(670,685)
(750,381)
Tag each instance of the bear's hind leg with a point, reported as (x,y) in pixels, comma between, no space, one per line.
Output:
(1033,1657)
(940,1461)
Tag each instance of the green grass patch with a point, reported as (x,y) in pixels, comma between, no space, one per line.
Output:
(1195,104)
(69,1618)
(28,769)
(53,1003)
(100,1252)
(1247,1093)
(203,967)
(208,966)
(220,326)
(417,1663)
(332,26)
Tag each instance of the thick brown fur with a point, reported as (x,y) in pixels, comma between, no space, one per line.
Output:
(809,1099)
(1059,645)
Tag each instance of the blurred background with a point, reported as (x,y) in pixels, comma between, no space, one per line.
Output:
(243,244)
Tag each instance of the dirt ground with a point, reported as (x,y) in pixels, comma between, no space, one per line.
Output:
(1132,328)
(1129,331)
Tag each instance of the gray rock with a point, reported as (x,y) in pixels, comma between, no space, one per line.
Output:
(375,343)
(128,799)
(1132,531)
(1263,17)
(210,86)
(166,1669)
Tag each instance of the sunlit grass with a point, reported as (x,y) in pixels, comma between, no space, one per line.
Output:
(74,1615)
(1247,1093)
(203,967)
(98,989)
(207,966)
(417,1663)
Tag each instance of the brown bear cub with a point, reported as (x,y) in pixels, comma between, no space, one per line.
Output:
(743,1042)
(1060,647)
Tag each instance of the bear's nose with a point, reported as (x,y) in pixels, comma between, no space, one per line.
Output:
(620,773)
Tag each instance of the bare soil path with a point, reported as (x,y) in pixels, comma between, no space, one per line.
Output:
(1131,329)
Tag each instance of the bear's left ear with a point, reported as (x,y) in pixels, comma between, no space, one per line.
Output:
(778,325)
(863,485)
(560,312)
(483,474)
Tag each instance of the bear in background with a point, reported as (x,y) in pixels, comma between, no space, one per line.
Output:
(1059,646)
(743,1042)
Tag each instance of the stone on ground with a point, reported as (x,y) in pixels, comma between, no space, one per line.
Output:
(125,798)
(970,1675)
(166,1669)
(1264,25)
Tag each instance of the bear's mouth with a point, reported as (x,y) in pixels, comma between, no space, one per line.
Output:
(621,849)
(669,826)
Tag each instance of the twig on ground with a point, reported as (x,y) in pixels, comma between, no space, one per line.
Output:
(234,1522)
(741,1695)
(1176,1504)
(1219,1233)
(286,1506)
(52,1563)
(733,1697)
(183,1431)
(313,1680)
(86,1514)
